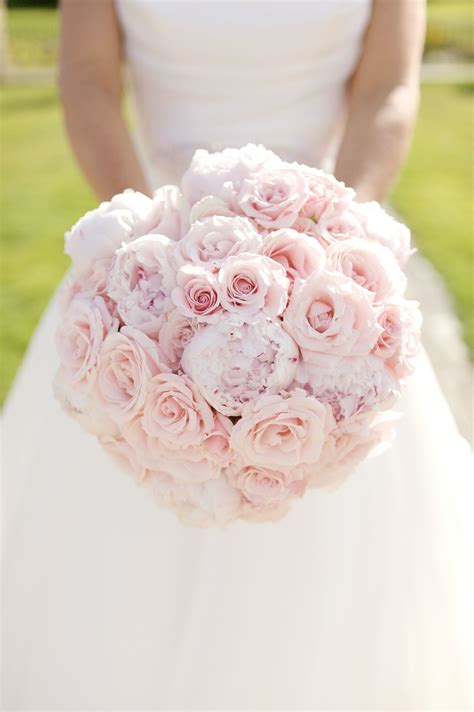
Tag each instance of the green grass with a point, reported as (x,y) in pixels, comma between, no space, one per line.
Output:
(32,36)
(434,193)
(42,194)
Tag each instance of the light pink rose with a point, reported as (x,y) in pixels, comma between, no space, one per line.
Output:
(381,227)
(209,172)
(175,333)
(251,283)
(196,293)
(79,338)
(127,361)
(175,413)
(235,359)
(141,281)
(274,197)
(399,343)
(281,432)
(345,449)
(339,224)
(330,314)
(212,503)
(216,445)
(210,242)
(298,254)
(325,194)
(371,265)
(350,385)
(123,455)
(262,486)
(168,214)
(102,231)
(273,512)
(83,409)
(208,207)
(191,463)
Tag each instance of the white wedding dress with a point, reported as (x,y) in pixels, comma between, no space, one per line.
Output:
(360,598)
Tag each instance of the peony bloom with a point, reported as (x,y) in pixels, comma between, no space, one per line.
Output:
(235,359)
(168,214)
(298,254)
(274,197)
(209,172)
(124,455)
(209,207)
(282,432)
(330,314)
(370,265)
(102,231)
(79,338)
(141,281)
(251,283)
(127,361)
(196,293)
(212,503)
(175,413)
(399,343)
(381,227)
(210,242)
(350,385)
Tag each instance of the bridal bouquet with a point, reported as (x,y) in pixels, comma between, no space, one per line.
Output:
(239,339)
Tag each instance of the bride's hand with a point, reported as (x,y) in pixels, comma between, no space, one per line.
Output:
(383,99)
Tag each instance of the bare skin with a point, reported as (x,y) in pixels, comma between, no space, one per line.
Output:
(382,97)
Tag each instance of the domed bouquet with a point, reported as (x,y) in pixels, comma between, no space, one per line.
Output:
(240,339)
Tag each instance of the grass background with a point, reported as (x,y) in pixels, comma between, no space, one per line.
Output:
(42,193)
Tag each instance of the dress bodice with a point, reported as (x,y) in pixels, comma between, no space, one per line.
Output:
(210,74)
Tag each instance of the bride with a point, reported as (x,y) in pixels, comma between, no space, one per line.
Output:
(359,598)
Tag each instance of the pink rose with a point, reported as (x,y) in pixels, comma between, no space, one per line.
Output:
(345,449)
(350,385)
(274,197)
(216,444)
(381,227)
(79,338)
(369,264)
(261,486)
(127,361)
(175,333)
(233,360)
(196,293)
(251,283)
(168,214)
(210,242)
(212,503)
(123,455)
(325,194)
(141,281)
(102,231)
(330,314)
(281,432)
(298,254)
(175,413)
(337,225)
(208,207)
(209,172)
(399,343)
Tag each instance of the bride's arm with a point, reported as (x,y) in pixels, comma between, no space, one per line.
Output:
(91,93)
(383,98)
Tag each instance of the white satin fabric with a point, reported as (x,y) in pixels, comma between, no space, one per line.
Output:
(361,599)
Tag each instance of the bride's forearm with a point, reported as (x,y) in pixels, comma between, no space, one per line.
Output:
(101,141)
(376,142)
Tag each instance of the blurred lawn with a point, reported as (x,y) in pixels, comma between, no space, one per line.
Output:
(434,193)
(32,36)
(41,195)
